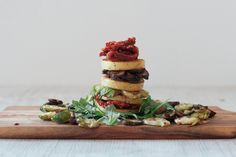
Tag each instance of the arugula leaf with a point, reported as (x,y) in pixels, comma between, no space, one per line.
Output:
(149,108)
(111,116)
(102,91)
(129,115)
(169,108)
(86,108)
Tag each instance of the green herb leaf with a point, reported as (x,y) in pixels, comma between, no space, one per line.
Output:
(102,91)
(149,107)
(111,116)
(86,108)
(129,115)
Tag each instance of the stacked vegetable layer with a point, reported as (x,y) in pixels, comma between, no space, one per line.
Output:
(124,73)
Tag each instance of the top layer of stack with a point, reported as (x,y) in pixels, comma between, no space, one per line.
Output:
(121,68)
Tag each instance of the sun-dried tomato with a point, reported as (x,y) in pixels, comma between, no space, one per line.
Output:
(117,104)
(121,50)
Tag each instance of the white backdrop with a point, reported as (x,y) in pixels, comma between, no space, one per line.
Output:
(53,42)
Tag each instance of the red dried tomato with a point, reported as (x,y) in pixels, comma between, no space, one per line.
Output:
(117,104)
(121,50)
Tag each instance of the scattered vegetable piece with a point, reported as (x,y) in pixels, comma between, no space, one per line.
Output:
(88,123)
(73,119)
(203,115)
(187,120)
(52,108)
(183,107)
(62,117)
(156,121)
(47,116)
(132,122)
(56,102)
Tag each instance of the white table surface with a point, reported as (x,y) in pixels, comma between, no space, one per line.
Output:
(223,97)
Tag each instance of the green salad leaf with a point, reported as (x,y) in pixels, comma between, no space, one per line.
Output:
(86,108)
(149,107)
(111,117)
(128,115)
(102,91)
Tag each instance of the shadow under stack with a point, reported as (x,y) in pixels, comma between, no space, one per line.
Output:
(124,73)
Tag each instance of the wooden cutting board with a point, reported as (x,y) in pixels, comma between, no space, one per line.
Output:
(22,122)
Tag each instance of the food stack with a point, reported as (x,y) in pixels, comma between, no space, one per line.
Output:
(121,89)
(124,73)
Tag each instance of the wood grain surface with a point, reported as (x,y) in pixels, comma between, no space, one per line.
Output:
(22,122)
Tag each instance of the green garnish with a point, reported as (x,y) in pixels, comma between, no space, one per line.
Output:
(149,108)
(111,117)
(86,108)
(102,91)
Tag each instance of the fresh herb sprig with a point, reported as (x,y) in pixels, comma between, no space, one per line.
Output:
(111,117)
(149,108)
(86,108)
